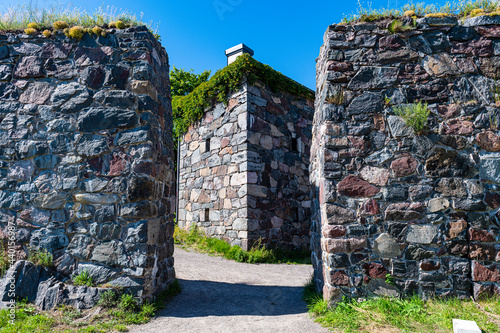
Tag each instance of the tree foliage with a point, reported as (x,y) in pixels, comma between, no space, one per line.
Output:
(183,82)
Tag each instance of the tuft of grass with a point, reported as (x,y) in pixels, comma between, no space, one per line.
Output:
(97,30)
(401,315)
(47,33)
(119,24)
(83,279)
(60,25)
(196,239)
(415,116)
(128,303)
(30,31)
(76,32)
(42,258)
(337,98)
(33,25)
(437,15)
(398,26)
(109,299)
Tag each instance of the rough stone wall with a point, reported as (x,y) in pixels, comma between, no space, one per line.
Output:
(422,208)
(86,155)
(251,184)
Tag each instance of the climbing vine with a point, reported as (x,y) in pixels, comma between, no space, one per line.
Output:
(188,109)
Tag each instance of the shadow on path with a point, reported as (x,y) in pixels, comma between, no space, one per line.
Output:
(208,298)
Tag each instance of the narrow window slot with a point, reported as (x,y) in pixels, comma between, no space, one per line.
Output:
(207,145)
(207,214)
(294,144)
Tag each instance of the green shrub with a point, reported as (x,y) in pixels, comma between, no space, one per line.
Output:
(30,31)
(415,116)
(109,299)
(33,25)
(75,32)
(119,24)
(42,258)
(128,303)
(83,279)
(60,25)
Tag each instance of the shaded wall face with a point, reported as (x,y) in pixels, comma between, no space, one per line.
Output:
(279,137)
(421,209)
(212,172)
(86,154)
(251,183)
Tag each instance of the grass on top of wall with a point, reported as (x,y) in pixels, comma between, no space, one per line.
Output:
(195,239)
(18,16)
(402,315)
(461,9)
(190,108)
(113,314)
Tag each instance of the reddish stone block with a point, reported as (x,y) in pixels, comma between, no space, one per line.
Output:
(355,187)
(334,231)
(339,278)
(338,66)
(488,141)
(481,236)
(448,111)
(404,166)
(369,208)
(458,127)
(374,270)
(485,274)
(492,199)
(428,266)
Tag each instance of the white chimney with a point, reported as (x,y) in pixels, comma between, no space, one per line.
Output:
(236,51)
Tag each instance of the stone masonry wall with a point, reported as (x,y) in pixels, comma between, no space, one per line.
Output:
(250,184)
(421,208)
(86,159)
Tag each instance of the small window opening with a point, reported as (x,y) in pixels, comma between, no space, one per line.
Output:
(295,144)
(207,214)
(296,213)
(207,145)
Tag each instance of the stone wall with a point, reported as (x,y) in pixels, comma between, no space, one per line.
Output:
(252,181)
(86,155)
(421,208)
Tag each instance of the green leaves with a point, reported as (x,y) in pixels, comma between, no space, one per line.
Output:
(183,82)
(415,116)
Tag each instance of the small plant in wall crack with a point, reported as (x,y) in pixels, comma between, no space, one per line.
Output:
(389,279)
(337,97)
(83,279)
(415,116)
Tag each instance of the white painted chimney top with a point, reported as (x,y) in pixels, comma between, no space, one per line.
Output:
(236,51)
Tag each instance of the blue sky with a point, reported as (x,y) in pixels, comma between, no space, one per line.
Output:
(284,34)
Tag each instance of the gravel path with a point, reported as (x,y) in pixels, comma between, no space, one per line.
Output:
(220,295)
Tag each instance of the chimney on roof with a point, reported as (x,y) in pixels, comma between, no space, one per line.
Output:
(236,51)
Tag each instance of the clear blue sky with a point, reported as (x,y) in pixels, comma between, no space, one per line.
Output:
(284,34)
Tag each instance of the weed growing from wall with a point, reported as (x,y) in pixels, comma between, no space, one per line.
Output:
(415,116)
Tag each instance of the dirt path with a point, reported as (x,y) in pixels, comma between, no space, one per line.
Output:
(220,295)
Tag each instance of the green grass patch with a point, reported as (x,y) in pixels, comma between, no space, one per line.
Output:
(414,115)
(114,315)
(461,9)
(195,239)
(41,257)
(83,279)
(19,16)
(401,315)
(190,108)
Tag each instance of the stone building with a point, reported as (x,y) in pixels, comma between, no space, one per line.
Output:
(87,163)
(419,208)
(244,167)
